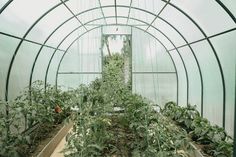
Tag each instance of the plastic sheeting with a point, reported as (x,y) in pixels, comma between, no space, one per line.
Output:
(194,39)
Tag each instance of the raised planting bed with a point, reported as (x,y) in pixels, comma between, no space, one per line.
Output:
(196,151)
(52,143)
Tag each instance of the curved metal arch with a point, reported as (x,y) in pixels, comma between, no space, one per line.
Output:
(45,79)
(185,69)
(18,46)
(185,41)
(216,56)
(227,10)
(147,24)
(186,74)
(209,42)
(190,48)
(39,51)
(218,1)
(218,61)
(91,9)
(139,21)
(142,21)
(132,27)
(195,58)
(181,59)
(5,6)
(175,48)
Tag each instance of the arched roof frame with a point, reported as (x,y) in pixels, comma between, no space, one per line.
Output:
(169,3)
(66,51)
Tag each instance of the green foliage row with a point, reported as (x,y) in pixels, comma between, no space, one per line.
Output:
(214,138)
(27,110)
(136,130)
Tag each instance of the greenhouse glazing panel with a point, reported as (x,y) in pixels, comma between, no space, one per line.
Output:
(231,6)
(62,31)
(72,81)
(90,15)
(151,67)
(195,96)
(50,22)
(17,14)
(3,2)
(141,15)
(83,59)
(21,69)
(227,55)
(181,51)
(159,88)
(8,46)
(183,24)
(207,19)
(213,90)
(84,55)
(149,55)
(169,31)
(52,68)
(162,37)
(149,5)
(41,64)
(182,78)
(116,30)
(147,86)
(81,5)
(66,42)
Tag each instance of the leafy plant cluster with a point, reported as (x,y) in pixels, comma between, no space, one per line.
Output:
(214,139)
(112,121)
(32,109)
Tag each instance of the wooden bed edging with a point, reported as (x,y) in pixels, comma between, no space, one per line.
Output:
(51,146)
(196,151)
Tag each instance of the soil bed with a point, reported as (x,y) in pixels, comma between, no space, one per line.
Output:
(40,137)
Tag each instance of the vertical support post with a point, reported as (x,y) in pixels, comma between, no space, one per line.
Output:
(235,116)
(102,61)
(131,59)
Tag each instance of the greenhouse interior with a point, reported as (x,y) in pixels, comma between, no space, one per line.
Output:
(117,78)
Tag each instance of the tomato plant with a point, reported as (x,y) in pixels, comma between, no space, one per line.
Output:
(136,131)
(214,137)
